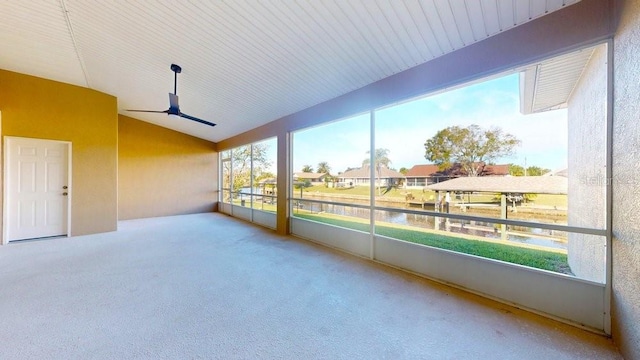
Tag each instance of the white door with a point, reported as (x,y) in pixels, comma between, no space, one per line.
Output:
(37,188)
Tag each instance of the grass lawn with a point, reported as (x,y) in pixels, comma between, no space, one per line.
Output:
(546,260)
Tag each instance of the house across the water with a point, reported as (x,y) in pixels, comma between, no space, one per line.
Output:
(423,175)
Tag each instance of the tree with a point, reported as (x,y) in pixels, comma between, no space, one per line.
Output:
(404,170)
(380,159)
(266,175)
(324,168)
(241,158)
(471,147)
(307,169)
(516,170)
(536,171)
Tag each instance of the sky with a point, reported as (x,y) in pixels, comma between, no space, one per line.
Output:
(404,128)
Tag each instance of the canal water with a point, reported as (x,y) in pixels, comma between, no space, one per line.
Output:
(533,236)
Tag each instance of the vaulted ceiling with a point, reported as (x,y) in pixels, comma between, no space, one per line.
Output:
(244,62)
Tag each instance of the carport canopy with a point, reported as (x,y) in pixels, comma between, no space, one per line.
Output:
(557,185)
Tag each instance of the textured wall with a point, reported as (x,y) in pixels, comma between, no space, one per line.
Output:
(38,108)
(162,172)
(587,160)
(626,183)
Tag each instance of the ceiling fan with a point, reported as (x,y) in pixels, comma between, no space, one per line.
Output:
(174,108)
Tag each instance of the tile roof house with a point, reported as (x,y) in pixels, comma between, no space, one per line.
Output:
(314,178)
(360,176)
(427,174)
(424,174)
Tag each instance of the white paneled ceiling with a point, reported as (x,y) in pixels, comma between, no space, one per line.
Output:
(245,62)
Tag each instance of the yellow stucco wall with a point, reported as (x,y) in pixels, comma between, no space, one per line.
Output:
(163,172)
(38,108)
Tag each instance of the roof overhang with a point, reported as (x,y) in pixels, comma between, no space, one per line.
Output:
(548,85)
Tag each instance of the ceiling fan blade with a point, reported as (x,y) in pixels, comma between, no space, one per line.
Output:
(150,111)
(196,119)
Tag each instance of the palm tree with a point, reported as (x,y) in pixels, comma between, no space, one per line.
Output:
(380,159)
(307,168)
(323,167)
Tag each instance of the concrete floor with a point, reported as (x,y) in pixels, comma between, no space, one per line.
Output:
(208,286)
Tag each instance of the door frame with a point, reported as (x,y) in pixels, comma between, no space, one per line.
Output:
(5,188)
